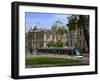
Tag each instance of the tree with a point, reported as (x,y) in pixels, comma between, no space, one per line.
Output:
(75,21)
(51,44)
(59,43)
(73,25)
(72,21)
(84,22)
(60,31)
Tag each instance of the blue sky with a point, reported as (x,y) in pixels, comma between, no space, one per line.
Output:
(43,20)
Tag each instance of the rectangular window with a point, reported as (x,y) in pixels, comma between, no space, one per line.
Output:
(71,42)
(84,42)
(80,32)
(80,42)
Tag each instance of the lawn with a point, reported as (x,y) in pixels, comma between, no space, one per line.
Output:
(50,60)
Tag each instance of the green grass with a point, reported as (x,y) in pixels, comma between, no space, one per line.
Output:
(49,60)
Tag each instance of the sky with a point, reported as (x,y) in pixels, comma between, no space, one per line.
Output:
(43,20)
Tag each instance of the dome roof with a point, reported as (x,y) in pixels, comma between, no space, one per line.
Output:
(57,24)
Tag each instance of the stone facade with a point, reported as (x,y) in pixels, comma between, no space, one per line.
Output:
(38,38)
(35,39)
(77,40)
(50,36)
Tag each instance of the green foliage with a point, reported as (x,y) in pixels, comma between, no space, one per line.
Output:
(72,21)
(60,30)
(59,43)
(51,44)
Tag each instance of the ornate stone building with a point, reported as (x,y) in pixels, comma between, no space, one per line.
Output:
(35,39)
(51,36)
(77,41)
(39,38)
